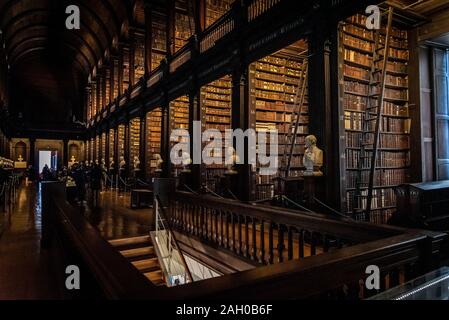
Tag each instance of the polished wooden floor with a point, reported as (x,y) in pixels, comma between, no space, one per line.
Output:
(26,270)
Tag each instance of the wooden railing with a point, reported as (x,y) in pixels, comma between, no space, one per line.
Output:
(338,272)
(181,57)
(266,234)
(155,77)
(259,7)
(217,31)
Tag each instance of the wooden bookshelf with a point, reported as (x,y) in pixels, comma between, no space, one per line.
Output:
(134,140)
(107,86)
(125,57)
(392,165)
(139,57)
(112,145)
(116,83)
(103,147)
(159,39)
(184,23)
(121,141)
(87,150)
(216,103)
(97,148)
(179,119)
(92,149)
(215,9)
(153,140)
(93,94)
(277,77)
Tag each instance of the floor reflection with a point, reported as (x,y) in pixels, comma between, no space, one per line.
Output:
(114,219)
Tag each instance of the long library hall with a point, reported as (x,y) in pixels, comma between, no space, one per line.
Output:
(224,149)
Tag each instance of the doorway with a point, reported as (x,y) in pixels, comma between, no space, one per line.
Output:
(49,158)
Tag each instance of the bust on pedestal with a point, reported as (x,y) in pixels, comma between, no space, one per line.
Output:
(158,159)
(136,167)
(313,157)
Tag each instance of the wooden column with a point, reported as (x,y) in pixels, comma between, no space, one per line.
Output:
(32,152)
(65,152)
(196,113)
(323,119)
(107,147)
(243,117)
(165,141)
(142,144)
(103,89)
(132,57)
(127,144)
(98,93)
(200,15)
(111,80)
(170,31)
(120,72)
(148,36)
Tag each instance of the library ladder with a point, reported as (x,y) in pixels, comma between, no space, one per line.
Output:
(298,106)
(372,117)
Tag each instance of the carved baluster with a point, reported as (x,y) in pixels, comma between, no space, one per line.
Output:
(262,242)
(227,230)
(312,243)
(221,228)
(280,243)
(216,226)
(301,244)
(202,222)
(233,231)
(270,243)
(254,240)
(290,243)
(325,243)
(247,236)
(239,222)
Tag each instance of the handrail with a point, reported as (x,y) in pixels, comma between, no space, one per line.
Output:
(409,252)
(338,225)
(216,31)
(160,210)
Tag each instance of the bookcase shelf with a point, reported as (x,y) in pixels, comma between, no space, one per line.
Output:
(112,144)
(134,140)
(153,140)
(276,79)
(393,158)
(121,141)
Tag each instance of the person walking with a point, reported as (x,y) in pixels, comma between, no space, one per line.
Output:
(96,175)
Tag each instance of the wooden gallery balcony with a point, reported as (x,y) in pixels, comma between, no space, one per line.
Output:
(294,254)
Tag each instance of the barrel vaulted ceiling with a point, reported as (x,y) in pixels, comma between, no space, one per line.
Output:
(50,64)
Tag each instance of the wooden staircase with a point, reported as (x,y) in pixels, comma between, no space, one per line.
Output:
(140,252)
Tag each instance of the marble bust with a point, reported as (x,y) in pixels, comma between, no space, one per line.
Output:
(111,163)
(232,155)
(313,157)
(122,163)
(157,157)
(136,163)
(186,161)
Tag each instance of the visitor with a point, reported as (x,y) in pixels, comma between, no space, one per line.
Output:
(79,176)
(95,183)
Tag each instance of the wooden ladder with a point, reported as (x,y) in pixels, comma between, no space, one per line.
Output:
(371,121)
(298,107)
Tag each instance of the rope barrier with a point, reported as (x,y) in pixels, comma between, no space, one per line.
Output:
(191,190)
(298,205)
(213,193)
(233,195)
(143,183)
(331,209)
